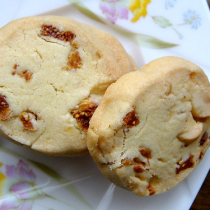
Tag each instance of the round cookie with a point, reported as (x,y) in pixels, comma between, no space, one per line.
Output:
(133,63)
(125,61)
(152,126)
(53,75)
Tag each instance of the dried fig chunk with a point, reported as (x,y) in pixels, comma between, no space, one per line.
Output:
(189,163)
(27,119)
(52,31)
(108,163)
(138,168)
(4,108)
(74,60)
(203,139)
(24,74)
(15,66)
(84,113)
(127,161)
(201,104)
(131,119)
(201,155)
(145,152)
(151,189)
(191,135)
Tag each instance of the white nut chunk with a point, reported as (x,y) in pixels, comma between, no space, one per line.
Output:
(201,104)
(191,135)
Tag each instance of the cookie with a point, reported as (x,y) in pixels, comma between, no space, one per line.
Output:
(125,61)
(152,126)
(53,75)
(133,63)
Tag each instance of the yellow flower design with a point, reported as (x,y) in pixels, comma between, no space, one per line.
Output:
(2,177)
(139,8)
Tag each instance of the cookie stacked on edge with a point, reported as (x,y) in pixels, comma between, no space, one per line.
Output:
(155,128)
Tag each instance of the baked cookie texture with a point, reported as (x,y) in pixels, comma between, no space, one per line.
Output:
(125,61)
(53,75)
(152,126)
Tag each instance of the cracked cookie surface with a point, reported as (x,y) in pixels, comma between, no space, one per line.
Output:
(152,126)
(49,67)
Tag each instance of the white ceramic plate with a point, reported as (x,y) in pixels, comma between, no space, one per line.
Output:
(148,30)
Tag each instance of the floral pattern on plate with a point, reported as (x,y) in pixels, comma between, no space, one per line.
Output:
(24,188)
(20,188)
(188,21)
(134,11)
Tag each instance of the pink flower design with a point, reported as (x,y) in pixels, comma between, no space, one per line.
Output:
(122,12)
(113,0)
(113,12)
(11,204)
(21,171)
(24,190)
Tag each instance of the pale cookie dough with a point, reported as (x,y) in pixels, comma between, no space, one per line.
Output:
(152,126)
(125,61)
(53,75)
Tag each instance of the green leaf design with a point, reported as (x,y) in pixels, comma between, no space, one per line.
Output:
(61,180)
(140,39)
(146,40)
(161,21)
(151,42)
(47,170)
(84,10)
